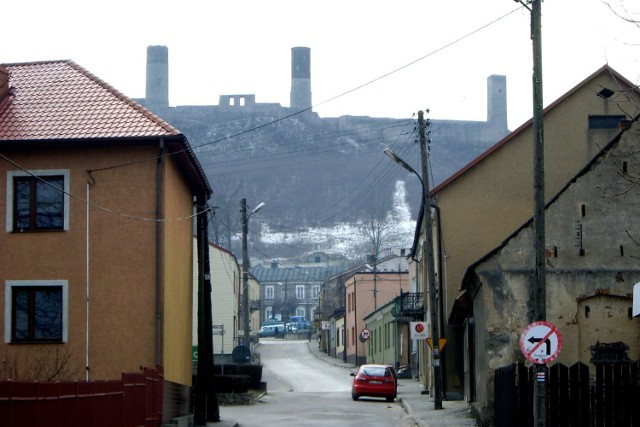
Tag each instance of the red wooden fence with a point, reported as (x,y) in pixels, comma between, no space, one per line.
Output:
(133,401)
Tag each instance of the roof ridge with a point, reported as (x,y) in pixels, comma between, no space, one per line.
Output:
(498,145)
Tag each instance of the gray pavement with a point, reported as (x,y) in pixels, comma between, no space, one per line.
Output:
(454,413)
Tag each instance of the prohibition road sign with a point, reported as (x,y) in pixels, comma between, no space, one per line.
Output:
(541,342)
(365,334)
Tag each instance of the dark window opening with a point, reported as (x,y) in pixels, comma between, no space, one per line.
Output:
(583,210)
(36,314)
(605,122)
(609,353)
(587,309)
(38,203)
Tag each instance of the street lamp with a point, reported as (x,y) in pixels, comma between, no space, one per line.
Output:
(245,267)
(428,273)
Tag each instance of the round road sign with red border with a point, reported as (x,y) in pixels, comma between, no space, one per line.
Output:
(541,342)
(365,334)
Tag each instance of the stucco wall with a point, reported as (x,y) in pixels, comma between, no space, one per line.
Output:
(591,267)
(177,276)
(486,203)
(120,312)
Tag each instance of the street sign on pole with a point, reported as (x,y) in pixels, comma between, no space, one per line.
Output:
(419,330)
(541,342)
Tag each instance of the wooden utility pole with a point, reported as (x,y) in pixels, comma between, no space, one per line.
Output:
(206,402)
(428,270)
(540,308)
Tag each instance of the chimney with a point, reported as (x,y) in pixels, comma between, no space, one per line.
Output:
(4,81)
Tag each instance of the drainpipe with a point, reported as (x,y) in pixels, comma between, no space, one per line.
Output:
(88,287)
(159,253)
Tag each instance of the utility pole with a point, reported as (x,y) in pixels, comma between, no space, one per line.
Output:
(541,405)
(245,274)
(206,402)
(245,268)
(428,270)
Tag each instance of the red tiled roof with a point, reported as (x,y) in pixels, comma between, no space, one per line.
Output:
(61,100)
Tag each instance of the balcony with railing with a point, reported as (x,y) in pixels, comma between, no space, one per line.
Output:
(411,305)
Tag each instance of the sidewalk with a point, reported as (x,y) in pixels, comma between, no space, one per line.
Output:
(454,413)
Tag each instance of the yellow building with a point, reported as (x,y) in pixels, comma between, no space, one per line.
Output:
(492,196)
(97,198)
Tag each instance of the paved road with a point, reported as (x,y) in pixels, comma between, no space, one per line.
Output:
(305,391)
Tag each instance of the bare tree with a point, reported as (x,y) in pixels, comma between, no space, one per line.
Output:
(382,226)
(51,365)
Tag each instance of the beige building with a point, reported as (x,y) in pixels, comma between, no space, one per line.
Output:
(97,199)
(226,275)
(591,267)
(483,203)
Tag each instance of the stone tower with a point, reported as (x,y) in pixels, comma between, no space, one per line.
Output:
(157,90)
(300,78)
(497,101)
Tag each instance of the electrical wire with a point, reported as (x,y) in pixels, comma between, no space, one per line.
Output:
(102,208)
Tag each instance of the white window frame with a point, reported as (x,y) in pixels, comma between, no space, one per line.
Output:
(44,172)
(269,292)
(315,292)
(300,291)
(8,291)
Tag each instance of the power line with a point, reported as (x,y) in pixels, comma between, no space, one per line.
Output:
(93,205)
(293,114)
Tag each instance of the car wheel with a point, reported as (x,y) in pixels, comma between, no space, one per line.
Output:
(355,396)
(389,398)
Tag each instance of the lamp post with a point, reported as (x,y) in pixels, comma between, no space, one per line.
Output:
(428,271)
(245,267)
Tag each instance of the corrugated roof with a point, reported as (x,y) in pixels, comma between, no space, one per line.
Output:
(61,100)
(293,274)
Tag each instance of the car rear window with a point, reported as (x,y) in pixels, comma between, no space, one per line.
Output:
(374,371)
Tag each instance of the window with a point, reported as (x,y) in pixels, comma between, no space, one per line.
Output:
(300,291)
(36,311)
(300,311)
(605,122)
(315,292)
(268,292)
(37,200)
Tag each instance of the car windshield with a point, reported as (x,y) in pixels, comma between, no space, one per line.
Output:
(374,371)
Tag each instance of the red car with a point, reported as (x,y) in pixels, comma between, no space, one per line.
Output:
(374,381)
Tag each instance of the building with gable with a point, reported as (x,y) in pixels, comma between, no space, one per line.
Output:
(479,206)
(97,195)
(592,248)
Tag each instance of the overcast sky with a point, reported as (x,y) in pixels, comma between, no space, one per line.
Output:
(388,58)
